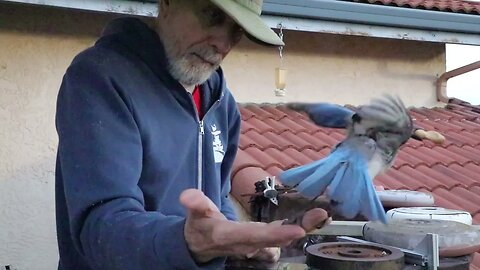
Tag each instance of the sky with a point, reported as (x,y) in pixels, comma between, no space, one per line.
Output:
(466,86)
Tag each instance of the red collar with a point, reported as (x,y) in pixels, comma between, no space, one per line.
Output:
(197,98)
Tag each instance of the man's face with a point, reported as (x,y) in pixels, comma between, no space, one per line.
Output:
(197,36)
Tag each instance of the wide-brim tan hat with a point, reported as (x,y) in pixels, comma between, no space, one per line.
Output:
(247,14)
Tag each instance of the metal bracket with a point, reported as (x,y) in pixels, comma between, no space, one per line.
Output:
(429,247)
(270,192)
(344,228)
(425,254)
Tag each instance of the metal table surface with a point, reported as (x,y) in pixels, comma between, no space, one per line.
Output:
(296,261)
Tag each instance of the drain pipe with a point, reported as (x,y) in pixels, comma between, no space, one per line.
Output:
(442,80)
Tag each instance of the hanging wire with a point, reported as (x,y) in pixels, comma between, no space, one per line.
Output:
(280,35)
(280,71)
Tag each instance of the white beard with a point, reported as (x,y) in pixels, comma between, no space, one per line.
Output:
(188,70)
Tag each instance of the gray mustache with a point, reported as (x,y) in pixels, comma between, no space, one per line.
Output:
(209,54)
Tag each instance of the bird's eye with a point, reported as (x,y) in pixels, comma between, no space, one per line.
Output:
(356,118)
(371,133)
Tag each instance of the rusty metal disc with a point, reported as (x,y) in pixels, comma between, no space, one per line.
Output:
(354,256)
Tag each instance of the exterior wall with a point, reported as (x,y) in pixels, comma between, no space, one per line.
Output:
(339,69)
(37,45)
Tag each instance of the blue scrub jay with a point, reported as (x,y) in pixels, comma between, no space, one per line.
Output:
(375,133)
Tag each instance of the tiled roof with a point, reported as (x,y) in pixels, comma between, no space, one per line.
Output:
(456,6)
(275,138)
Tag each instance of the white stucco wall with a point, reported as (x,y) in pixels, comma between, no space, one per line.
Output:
(37,44)
(340,69)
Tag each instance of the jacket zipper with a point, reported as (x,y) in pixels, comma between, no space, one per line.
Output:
(201,133)
(200,154)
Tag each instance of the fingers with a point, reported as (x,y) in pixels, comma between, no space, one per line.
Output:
(271,254)
(198,204)
(315,218)
(262,235)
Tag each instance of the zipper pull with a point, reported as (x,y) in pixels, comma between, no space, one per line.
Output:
(202,130)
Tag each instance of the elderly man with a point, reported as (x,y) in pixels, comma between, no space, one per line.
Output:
(148,132)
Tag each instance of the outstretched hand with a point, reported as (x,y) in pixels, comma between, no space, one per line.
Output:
(209,234)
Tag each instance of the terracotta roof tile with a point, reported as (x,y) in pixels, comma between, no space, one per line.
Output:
(444,180)
(326,138)
(259,112)
(315,142)
(466,124)
(390,180)
(470,154)
(406,159)
(462,160)
(423,154)
(246,127)
(275,112)
(277,126)
(476,220)
(285,161)
(457,6)
(274,171)
(254,138)
(265,160)
(293,125)
(245,113)
(243,160)
(298,156)
(280,142)
(316,155)
(299,142)
(468,195)
(309,126)
(456,202)
(403,180)
(260,126)
(413,143)
(275,138)
(456,176)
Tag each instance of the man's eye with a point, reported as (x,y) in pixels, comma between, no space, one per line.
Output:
(237,34)
(214,17)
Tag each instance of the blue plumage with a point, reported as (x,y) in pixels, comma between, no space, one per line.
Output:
(325,114)
(375,132)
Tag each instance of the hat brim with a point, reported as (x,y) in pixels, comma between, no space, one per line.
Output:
(250,22)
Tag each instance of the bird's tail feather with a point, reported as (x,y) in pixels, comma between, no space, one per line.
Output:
(315,184)
(356,195)
(346,194)
(312,179)
(374,209)
(344,176)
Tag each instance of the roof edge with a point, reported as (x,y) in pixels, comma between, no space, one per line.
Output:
(353,12)
(324,16)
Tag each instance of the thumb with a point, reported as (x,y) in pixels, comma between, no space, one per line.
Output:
(197,204)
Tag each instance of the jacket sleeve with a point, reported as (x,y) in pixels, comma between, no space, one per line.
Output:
(100,154)
(233,137)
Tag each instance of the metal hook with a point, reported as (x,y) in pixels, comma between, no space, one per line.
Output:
(280,35)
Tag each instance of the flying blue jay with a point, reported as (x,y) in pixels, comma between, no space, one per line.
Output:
(375,132)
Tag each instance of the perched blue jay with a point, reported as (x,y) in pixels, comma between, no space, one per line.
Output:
(375,132)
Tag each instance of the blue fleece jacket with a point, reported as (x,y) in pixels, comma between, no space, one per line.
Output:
(130,141)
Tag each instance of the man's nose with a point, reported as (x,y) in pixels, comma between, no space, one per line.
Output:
(222,41)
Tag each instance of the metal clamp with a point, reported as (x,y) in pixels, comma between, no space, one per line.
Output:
(425,254)
(270,192)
